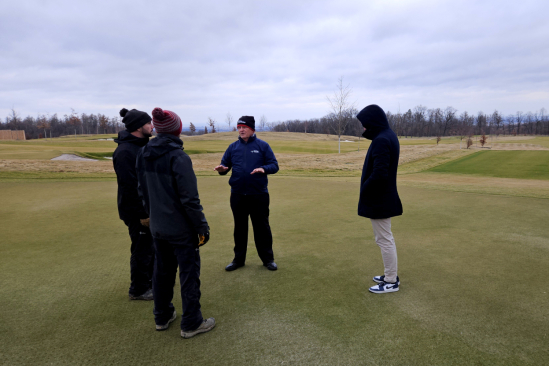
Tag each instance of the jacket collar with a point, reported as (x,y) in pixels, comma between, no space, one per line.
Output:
(251,139)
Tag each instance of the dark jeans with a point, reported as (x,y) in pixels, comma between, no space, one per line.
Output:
(142,257)
(170,255)
(255,206)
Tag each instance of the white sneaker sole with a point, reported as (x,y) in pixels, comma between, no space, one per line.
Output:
(187,335)
(167,325)
(383,292)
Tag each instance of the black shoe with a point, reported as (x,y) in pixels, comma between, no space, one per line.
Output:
(232,266)
(147,296)
(271,266)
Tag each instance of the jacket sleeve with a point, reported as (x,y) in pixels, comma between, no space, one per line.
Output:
(271,164)
(381,154)
(187,189)
(227,160)
(142,184)
(127,181)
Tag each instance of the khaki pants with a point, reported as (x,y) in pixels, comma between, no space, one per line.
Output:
(386,242)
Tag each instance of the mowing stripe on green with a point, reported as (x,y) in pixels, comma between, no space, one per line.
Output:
(501,164)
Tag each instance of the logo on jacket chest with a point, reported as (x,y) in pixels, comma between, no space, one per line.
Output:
(254,151)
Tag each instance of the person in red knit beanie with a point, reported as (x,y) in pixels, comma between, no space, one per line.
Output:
(168,188)
(165,121)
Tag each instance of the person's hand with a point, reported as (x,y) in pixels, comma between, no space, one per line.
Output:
(258,170)
(221,168)
(203,238)
(145,222)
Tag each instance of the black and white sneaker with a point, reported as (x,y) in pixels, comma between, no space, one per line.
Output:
(380,279)
(384,287)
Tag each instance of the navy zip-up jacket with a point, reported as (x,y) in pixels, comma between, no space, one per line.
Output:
(168,188)
(378,189)
(243,157)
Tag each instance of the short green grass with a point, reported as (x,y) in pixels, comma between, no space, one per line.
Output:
(471,266)
(502,164)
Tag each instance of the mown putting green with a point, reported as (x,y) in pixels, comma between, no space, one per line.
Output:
(472,269)
(501,164)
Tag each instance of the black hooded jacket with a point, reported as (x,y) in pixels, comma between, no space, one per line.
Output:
(168,187)
(123,159)
(378,190)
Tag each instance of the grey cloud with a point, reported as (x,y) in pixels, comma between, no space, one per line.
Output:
(275,58)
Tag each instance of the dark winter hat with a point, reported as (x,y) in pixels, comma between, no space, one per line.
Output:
(134,119)
(166,122)
(247,121)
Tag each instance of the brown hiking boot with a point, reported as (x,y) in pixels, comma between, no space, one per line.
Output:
(206,326)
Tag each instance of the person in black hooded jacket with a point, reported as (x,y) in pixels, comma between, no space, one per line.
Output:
(379,200)
(168,187)
(130,208)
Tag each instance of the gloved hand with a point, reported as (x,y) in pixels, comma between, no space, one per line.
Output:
(204,238)
(145,222)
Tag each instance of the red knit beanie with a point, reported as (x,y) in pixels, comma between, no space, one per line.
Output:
(166,122)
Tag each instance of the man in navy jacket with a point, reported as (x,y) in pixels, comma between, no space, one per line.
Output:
(251,159)
(379,200)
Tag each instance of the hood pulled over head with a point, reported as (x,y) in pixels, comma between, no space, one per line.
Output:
(373,119)
(161,145)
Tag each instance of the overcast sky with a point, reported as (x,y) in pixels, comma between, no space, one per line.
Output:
(275,58)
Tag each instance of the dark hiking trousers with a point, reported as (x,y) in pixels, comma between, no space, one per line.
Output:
(256,206)
(170,255)
(142,257)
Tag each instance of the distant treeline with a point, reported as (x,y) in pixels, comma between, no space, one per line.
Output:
(55,126)
(422,121)
(417,122)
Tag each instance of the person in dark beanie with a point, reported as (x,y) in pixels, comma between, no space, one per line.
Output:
(379,200)
(130,208)
(251,159)
(168,187)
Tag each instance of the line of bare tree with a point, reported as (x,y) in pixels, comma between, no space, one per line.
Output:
(422,122)
(417,122)
(55,126)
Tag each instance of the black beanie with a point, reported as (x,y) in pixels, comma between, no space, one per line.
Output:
(134,119)
(247,121)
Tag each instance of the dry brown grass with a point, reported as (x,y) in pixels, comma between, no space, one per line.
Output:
(413,158)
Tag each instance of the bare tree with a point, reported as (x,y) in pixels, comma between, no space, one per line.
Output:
(43,124)
(263,122)
(483,140)
(211,122)
(340,107)
(229,120)
(449,114)
(192,128)
(519,118)
(496,120)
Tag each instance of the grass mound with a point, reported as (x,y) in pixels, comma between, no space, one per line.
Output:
(501,164)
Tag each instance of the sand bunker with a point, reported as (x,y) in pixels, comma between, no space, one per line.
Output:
(72,157)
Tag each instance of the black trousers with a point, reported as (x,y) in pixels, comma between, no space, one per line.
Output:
(255,206)
(142,257)
(170,255)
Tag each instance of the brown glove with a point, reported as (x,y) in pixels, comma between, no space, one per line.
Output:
(145,222)
(203,238)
